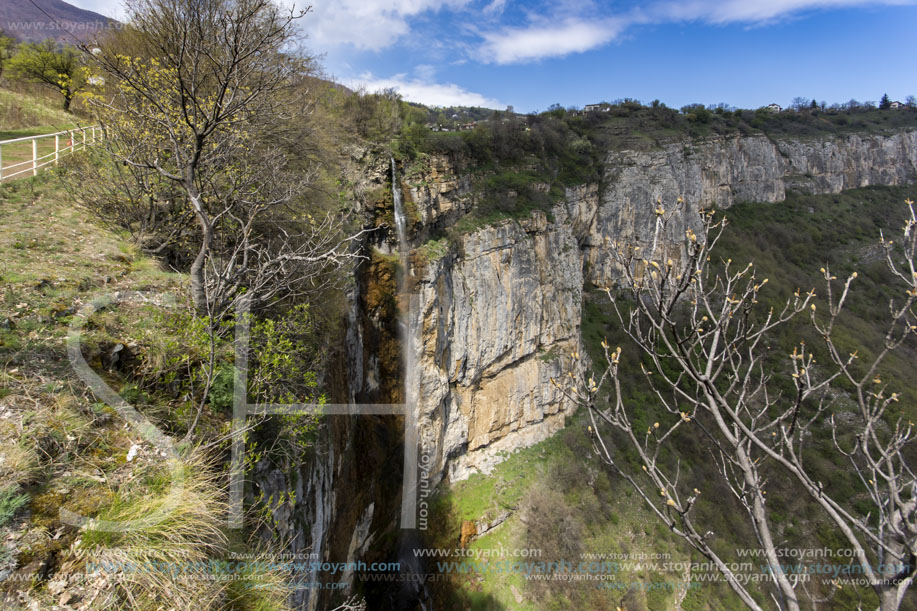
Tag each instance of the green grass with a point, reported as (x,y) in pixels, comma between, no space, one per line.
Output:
(433,250)
(557,482)
(11,501)
(485,496)
(53,254)
(11,134)
(61,451)
(31,111)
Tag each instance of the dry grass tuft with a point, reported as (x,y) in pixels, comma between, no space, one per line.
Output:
(18,463)
(174,529)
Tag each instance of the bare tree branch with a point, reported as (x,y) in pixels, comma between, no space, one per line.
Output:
(707,343)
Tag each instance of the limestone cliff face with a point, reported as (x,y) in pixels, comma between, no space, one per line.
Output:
(721,171)
(832,165)
(498,314)
(442,192)
(496,322)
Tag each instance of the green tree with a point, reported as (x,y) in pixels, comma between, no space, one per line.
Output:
(556,110)
(48,64)
(7,47)
(197,88)
(885,103)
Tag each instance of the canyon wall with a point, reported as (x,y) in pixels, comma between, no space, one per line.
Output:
(499,310)
(495,314)
(720,172)
(496,322)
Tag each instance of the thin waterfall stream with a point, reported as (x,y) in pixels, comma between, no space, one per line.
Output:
(401,228)
(414,592)
(409,343)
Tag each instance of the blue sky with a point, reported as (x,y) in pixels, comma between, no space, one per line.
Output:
(530,55)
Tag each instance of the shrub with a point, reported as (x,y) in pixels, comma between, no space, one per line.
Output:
(223,388)
(551,526)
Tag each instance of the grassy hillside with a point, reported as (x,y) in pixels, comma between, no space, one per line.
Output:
(562,500)
(28,114)
(62,450)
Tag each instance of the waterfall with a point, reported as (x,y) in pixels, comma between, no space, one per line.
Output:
(412,593)
(409,346)
(409,324)
(400,220)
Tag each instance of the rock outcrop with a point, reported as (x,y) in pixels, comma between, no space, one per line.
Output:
(722,171)
(442,192)
(496,323)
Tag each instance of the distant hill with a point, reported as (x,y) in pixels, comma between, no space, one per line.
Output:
(35,20)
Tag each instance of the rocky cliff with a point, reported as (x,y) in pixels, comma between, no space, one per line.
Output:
(721,171)
(496,323)
(495,314)
(499,312)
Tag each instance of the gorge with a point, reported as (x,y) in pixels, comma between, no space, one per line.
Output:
(404,306)
(497,313)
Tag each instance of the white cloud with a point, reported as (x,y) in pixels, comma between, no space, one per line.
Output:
(587,29)
(366,24)
(752,11)
(425,72)
(515,45)
(431,94)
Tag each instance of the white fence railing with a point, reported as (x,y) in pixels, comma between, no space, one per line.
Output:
(26,161)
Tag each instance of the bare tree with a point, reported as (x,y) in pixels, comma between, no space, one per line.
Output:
(206,111)
(199,93)
(707,344)
(149,207)
(878,454)
(800,103)
(353,603)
